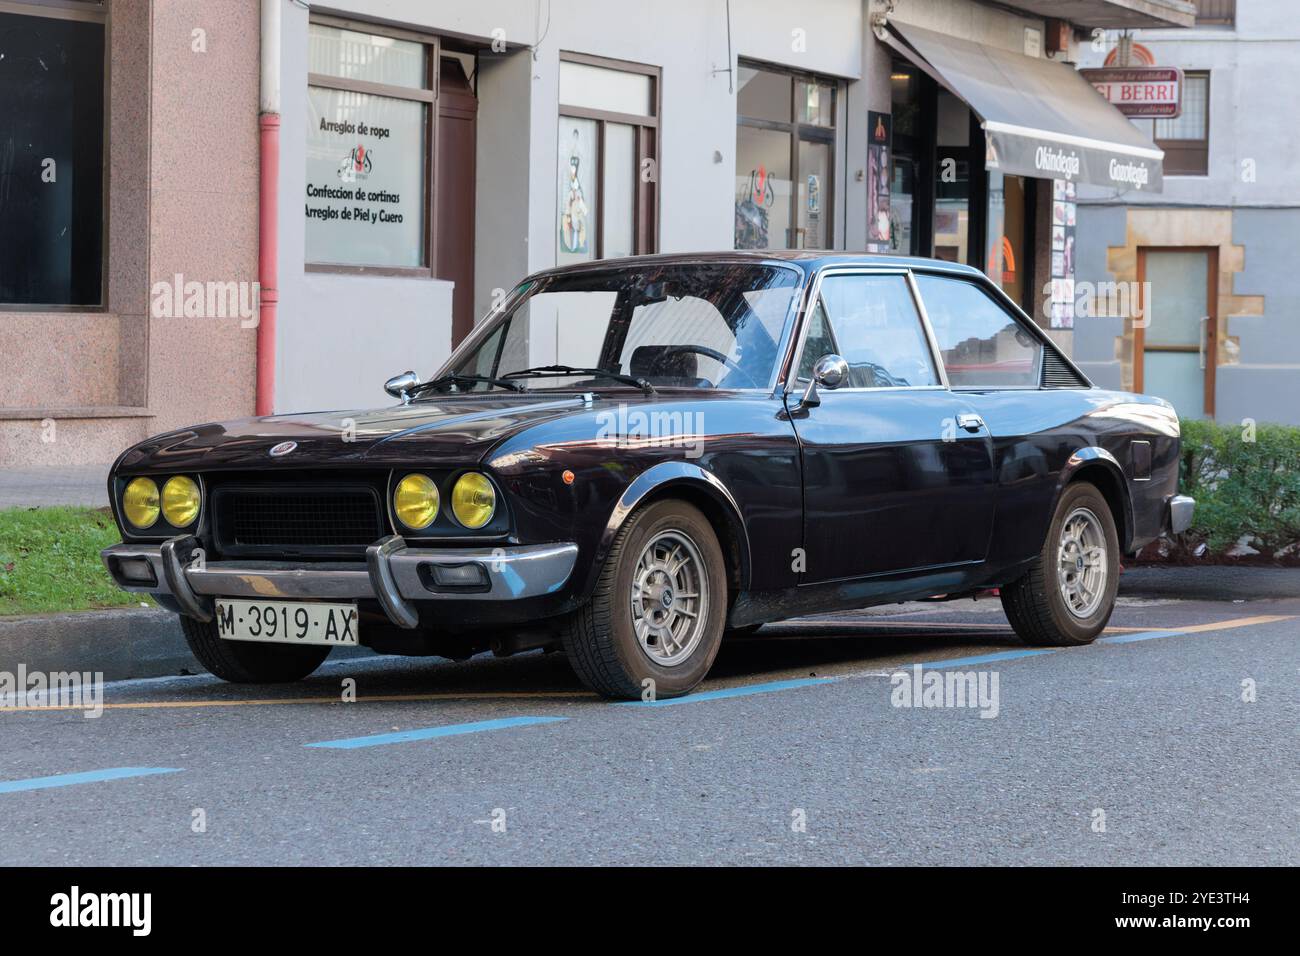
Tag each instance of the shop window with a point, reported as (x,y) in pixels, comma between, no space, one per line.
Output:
(982,345)
(52,158)
(953,180)
(1186,138)
(608,159)
(1009,236)
(906,187)
(785,160)
(369,172)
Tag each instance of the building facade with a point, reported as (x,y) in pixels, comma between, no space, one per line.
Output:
(1215,252)
(280,205)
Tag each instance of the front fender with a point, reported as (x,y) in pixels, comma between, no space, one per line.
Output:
(684,476)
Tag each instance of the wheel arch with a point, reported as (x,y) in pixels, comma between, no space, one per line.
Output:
(691,483)
(1099,467)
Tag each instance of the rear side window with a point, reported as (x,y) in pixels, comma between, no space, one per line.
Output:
(872,322)
(982,344)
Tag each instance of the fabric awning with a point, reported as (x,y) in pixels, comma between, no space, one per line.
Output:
(1040,117)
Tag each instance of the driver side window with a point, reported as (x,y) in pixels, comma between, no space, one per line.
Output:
(872,322)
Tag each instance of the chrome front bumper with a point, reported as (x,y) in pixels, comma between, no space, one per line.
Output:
(1181,508)
(393,574)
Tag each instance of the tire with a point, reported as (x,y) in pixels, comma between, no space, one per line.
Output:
(245,662)
(601,640)
(1042,606)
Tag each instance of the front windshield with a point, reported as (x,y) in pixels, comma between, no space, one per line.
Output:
(709,325)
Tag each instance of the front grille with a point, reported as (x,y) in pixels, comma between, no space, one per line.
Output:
(297,519)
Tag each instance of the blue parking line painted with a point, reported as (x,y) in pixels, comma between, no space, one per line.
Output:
(730,692)
(429,733)
(89,776)
(1140,636)
(982,659)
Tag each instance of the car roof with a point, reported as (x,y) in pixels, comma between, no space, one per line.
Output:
(806,260)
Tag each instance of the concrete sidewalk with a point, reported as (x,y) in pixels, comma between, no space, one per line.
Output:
(1209,583)
(43,487)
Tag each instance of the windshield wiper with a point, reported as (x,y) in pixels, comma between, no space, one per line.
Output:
(543,371)
(456,380)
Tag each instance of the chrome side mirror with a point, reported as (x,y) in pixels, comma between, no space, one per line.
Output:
(399,385)
(830,372)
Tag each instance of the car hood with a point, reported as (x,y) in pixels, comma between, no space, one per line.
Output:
(451,429)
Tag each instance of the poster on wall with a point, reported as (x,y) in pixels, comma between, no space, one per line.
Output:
(365,179)
(1064,218)
(755,197)
(577,190)
(878,219)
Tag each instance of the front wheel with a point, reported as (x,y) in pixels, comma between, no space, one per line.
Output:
(654,623)
(1067,597)
(246,662)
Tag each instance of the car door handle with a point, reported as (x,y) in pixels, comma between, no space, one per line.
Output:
(972,423)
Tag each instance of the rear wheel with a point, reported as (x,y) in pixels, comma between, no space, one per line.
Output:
(246,662)
(1068,596)
(655,621)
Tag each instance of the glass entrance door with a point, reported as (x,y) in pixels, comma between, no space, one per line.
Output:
(1175,350)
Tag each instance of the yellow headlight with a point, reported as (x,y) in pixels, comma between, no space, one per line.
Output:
(140,502)
(180,501)
(415,501)
(473,500)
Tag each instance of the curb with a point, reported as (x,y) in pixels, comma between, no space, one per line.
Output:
(121,643)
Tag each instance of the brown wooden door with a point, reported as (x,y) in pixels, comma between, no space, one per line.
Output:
(457,121)
(1176,347)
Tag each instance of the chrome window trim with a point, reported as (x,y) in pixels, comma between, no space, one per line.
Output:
(1014,313)
(792,375)
(521,290)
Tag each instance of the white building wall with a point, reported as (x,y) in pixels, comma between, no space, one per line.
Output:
(340,336)
(1254,107)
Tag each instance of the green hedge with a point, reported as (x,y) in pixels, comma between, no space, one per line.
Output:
(1246,481)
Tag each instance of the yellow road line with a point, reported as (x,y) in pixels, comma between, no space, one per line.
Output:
(1235,622)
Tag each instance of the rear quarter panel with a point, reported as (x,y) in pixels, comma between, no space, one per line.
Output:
(1044,437)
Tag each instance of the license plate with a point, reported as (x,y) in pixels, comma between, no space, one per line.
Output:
(287,622)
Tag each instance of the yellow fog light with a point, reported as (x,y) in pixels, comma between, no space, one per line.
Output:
(140,502)
(415,501)
(180,501)
(473,500)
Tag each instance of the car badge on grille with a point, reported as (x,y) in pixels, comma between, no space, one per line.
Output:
(283,448)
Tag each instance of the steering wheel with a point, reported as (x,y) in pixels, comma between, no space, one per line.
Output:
(710,353)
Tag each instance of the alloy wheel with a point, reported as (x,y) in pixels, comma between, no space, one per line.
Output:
(670,598)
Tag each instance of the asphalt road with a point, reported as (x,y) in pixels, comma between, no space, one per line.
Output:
(793,752)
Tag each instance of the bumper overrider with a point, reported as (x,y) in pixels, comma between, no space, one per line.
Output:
(396,576)
(1181,508)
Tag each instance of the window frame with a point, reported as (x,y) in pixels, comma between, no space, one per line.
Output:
(645,208)
(1197,148)
(90,11)
(940,379)
(799,132)
(1223,13)
(1001,300)
(788,373)
(791,372)
(429,97)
